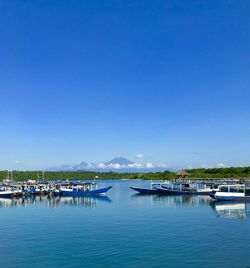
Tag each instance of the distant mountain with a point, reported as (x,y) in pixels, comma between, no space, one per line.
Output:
(82,165)
(118,164)
(119,161)
(61,168)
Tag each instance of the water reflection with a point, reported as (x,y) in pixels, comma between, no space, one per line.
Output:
(183,200)
(176,200)
(88,201)
(231,210)
(222,209)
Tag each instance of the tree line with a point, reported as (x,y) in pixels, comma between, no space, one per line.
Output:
(230,172)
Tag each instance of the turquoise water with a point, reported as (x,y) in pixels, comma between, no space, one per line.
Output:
(124,230)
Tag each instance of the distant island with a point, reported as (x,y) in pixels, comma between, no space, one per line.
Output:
(230,172)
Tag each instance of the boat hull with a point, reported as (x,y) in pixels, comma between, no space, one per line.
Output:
(84,193)
(231,198)
(204,192)
(166,191)
(144,191)
(6,194)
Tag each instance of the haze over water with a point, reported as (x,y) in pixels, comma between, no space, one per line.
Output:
(124,230)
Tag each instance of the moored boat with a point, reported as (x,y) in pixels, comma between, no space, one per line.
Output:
(87,188)
(234,192)
(8,192)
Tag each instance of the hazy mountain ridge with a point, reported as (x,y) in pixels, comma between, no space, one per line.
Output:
(118,164)
(119,160)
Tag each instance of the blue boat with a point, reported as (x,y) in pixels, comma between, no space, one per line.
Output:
(83,189)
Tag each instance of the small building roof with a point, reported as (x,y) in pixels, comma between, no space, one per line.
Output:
(182,173)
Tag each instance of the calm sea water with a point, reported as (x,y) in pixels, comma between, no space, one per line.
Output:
(124,230)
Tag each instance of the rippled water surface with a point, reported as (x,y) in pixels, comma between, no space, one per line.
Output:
(124,230)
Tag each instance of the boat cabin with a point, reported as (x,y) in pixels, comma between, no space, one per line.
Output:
(85,186)
(179,186)
(235,189)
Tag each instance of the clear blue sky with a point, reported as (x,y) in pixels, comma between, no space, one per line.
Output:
(91,80)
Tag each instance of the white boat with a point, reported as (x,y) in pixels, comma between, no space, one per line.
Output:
(233,192)
(8,192)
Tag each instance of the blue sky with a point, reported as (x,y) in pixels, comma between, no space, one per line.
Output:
(92,80)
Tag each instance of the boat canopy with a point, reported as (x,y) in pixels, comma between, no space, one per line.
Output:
(232,188)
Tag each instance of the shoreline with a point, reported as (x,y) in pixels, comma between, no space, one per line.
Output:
(240,173)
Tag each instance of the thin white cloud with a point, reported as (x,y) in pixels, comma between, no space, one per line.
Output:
(17,161)
(127,166)
(101,165)
(115,166)
(140,156)
(161,165)
(135,165)
(149,165)
(206,166)
(221,165)
(189,167)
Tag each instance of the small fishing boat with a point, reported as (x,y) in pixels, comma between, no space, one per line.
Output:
(8,192)
(40,189)
(23,190)
(87,188)
(234,192)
